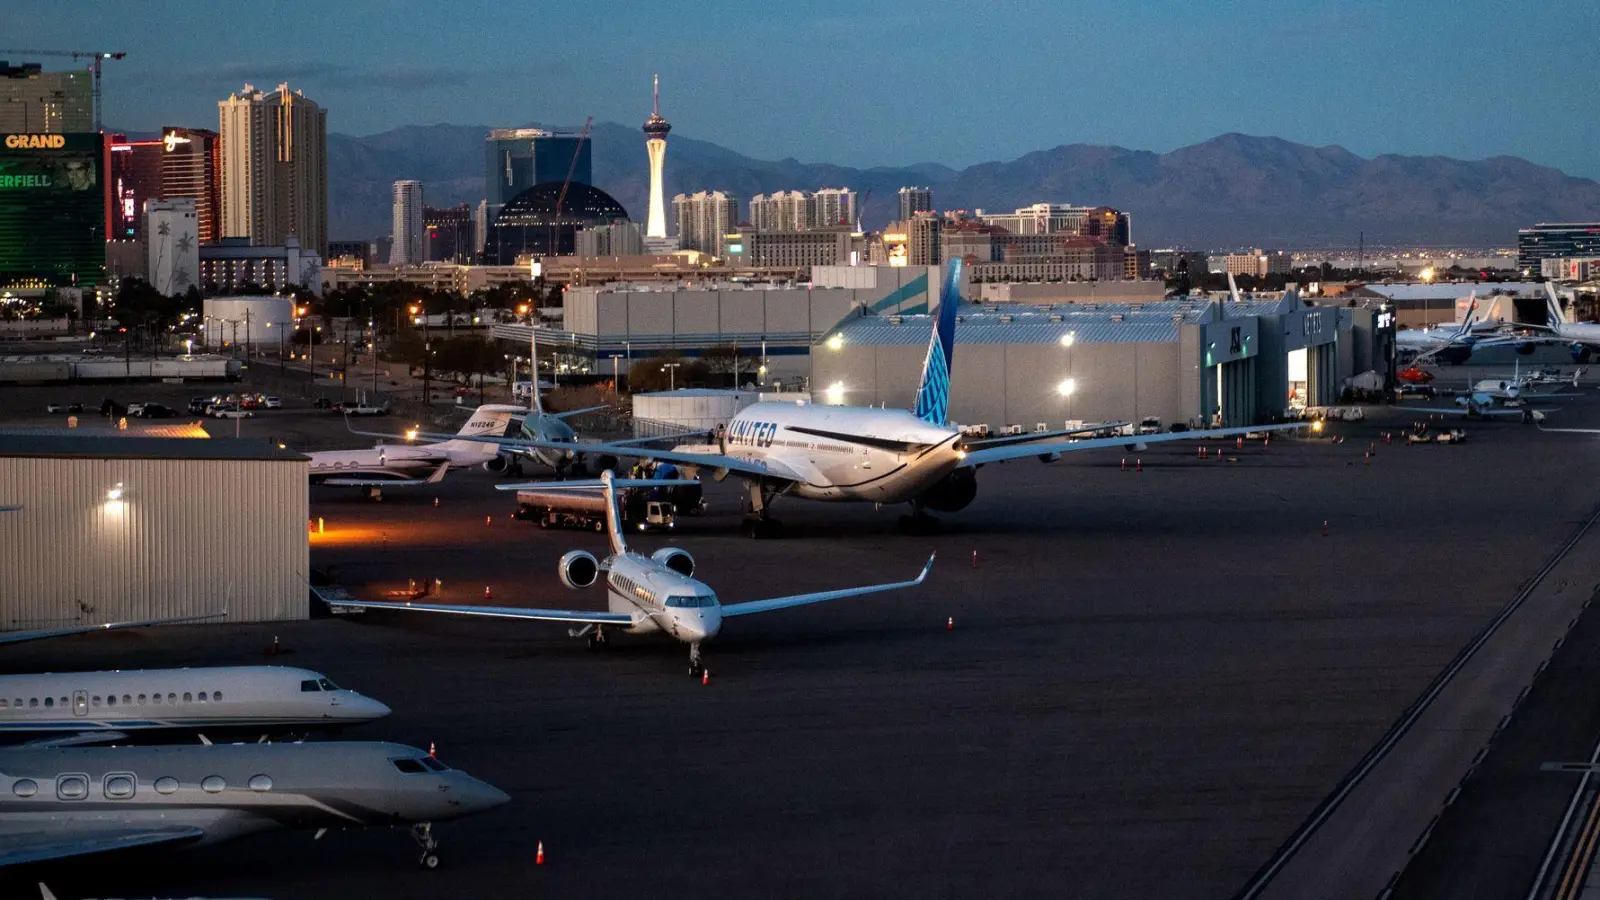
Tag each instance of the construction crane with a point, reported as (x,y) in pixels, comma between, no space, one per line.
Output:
(573,167)
(95,57)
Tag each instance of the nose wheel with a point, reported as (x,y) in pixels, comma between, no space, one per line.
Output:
(423,834)
(696,665)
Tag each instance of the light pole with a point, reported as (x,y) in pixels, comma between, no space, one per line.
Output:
(616,386)
(672,375)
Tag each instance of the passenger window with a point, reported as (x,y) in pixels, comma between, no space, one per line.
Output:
(2,703)
(33,702)
(156,698)
(111,700)
(171,697)
(25,787)
(409,766)
(49,703)
(141,699)
(260,783)
(166,784)
(201,696)
(213,784)
(96,700)
(72,787)
(309,686)
(126,699)
(216,696)
(186,697)
(118,787)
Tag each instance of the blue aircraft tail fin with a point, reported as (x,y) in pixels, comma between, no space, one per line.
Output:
(933,394)
(1472,314)
(1552,303)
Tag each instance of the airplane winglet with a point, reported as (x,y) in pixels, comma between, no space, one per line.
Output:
(929,567)
(45,893)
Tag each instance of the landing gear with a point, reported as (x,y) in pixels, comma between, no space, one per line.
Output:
(422,833)
(597,639)
(758,524)
(696,667)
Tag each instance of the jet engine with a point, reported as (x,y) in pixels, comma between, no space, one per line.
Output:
(1524,348)
(579,569)
(675,559)
(958,489)
(1580,353)
(500,463)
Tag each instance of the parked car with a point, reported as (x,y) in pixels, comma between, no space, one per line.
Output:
(231,412)
(272,403)
(136,409)
(362,409)
(322,403)
(197,405)
(65,408)
(152,411)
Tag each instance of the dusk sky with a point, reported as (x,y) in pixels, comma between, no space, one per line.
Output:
(891,82)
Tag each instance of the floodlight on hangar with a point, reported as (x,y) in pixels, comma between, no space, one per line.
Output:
(1067,387)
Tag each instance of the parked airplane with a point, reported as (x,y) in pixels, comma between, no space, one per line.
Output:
(1582,337)
(46,894)
(655,593)
(1476,407)
(84,708)
(18,637)
(542,427)
(78,801)
(1511,391)
(393,466)
(883,456)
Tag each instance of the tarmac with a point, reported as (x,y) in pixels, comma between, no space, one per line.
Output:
(1154,678)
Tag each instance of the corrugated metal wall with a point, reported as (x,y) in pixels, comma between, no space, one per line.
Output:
(189,537)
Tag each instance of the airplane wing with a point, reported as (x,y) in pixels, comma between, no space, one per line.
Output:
(580,616)
(760,606)
(435,478)
(29,848)
(578,412)
(1022,451)
(987,443)
(1474,413)
(1572,430)
(17,637)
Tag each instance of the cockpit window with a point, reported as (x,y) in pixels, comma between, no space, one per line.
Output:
(681,602)
(433,764)
(309,686)
(326,685)
(409,766)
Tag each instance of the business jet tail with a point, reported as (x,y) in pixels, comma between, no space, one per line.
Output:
(933,394)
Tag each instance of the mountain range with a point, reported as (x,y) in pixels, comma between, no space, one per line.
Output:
(1231,191)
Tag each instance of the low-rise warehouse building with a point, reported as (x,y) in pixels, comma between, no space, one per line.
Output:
(1199,364)
(118,528)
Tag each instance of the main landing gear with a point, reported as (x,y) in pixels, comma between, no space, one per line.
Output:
(597,639)
(423,834)
(696,666)
(758,524)
(918,522)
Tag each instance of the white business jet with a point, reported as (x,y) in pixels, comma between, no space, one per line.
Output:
(399,466)
(644,594)
(883,456)
(143,705)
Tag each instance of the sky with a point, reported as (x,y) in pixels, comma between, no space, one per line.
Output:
(884,83)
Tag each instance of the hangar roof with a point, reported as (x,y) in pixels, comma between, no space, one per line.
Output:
(64,444)
(1088,323)
(1451,290)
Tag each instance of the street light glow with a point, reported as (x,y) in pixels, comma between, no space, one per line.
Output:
(1067,387)
(835,341)
(835,393)
(1068,339)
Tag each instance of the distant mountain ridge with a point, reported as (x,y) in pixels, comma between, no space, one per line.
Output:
(1232,190)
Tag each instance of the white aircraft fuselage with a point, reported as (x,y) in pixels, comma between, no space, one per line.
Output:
(846,453)
(660,599)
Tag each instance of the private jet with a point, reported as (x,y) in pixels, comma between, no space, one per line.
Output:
(644,594)
(142,706)
(68,802)
(387,466)
(548,429)
(875,455)
(1582,338)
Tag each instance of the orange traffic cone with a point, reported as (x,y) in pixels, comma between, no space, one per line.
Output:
(974,559)
(950,624)
(487,521)
(1138,465)
(1124,464)
(705,676)
(430,749)
(538,856)
(1238,442)
(487,594)
(1324,527)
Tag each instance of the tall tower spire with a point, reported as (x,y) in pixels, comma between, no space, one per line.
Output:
(655,144)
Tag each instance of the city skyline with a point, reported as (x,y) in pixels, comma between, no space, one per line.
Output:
(1332,70)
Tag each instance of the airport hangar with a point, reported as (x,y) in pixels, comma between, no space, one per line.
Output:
(117,529)
(1242,363)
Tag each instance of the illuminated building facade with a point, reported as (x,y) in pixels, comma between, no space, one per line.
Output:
(53,199)
(655,144)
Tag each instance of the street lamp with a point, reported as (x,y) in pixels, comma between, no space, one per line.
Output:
(672,375)
(615,384)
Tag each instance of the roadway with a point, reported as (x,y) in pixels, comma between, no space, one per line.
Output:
(1154,678)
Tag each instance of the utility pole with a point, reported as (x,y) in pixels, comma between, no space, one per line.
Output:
(427,373)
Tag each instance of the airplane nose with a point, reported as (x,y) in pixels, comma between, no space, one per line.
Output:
(362,708)
(477,796)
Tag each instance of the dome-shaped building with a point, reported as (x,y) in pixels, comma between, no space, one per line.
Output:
(530,224)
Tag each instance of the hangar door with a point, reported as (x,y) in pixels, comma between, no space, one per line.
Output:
(1236,392)
(1322,375)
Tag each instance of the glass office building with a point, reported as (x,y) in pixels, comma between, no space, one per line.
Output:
(1555,241)
(519,158)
